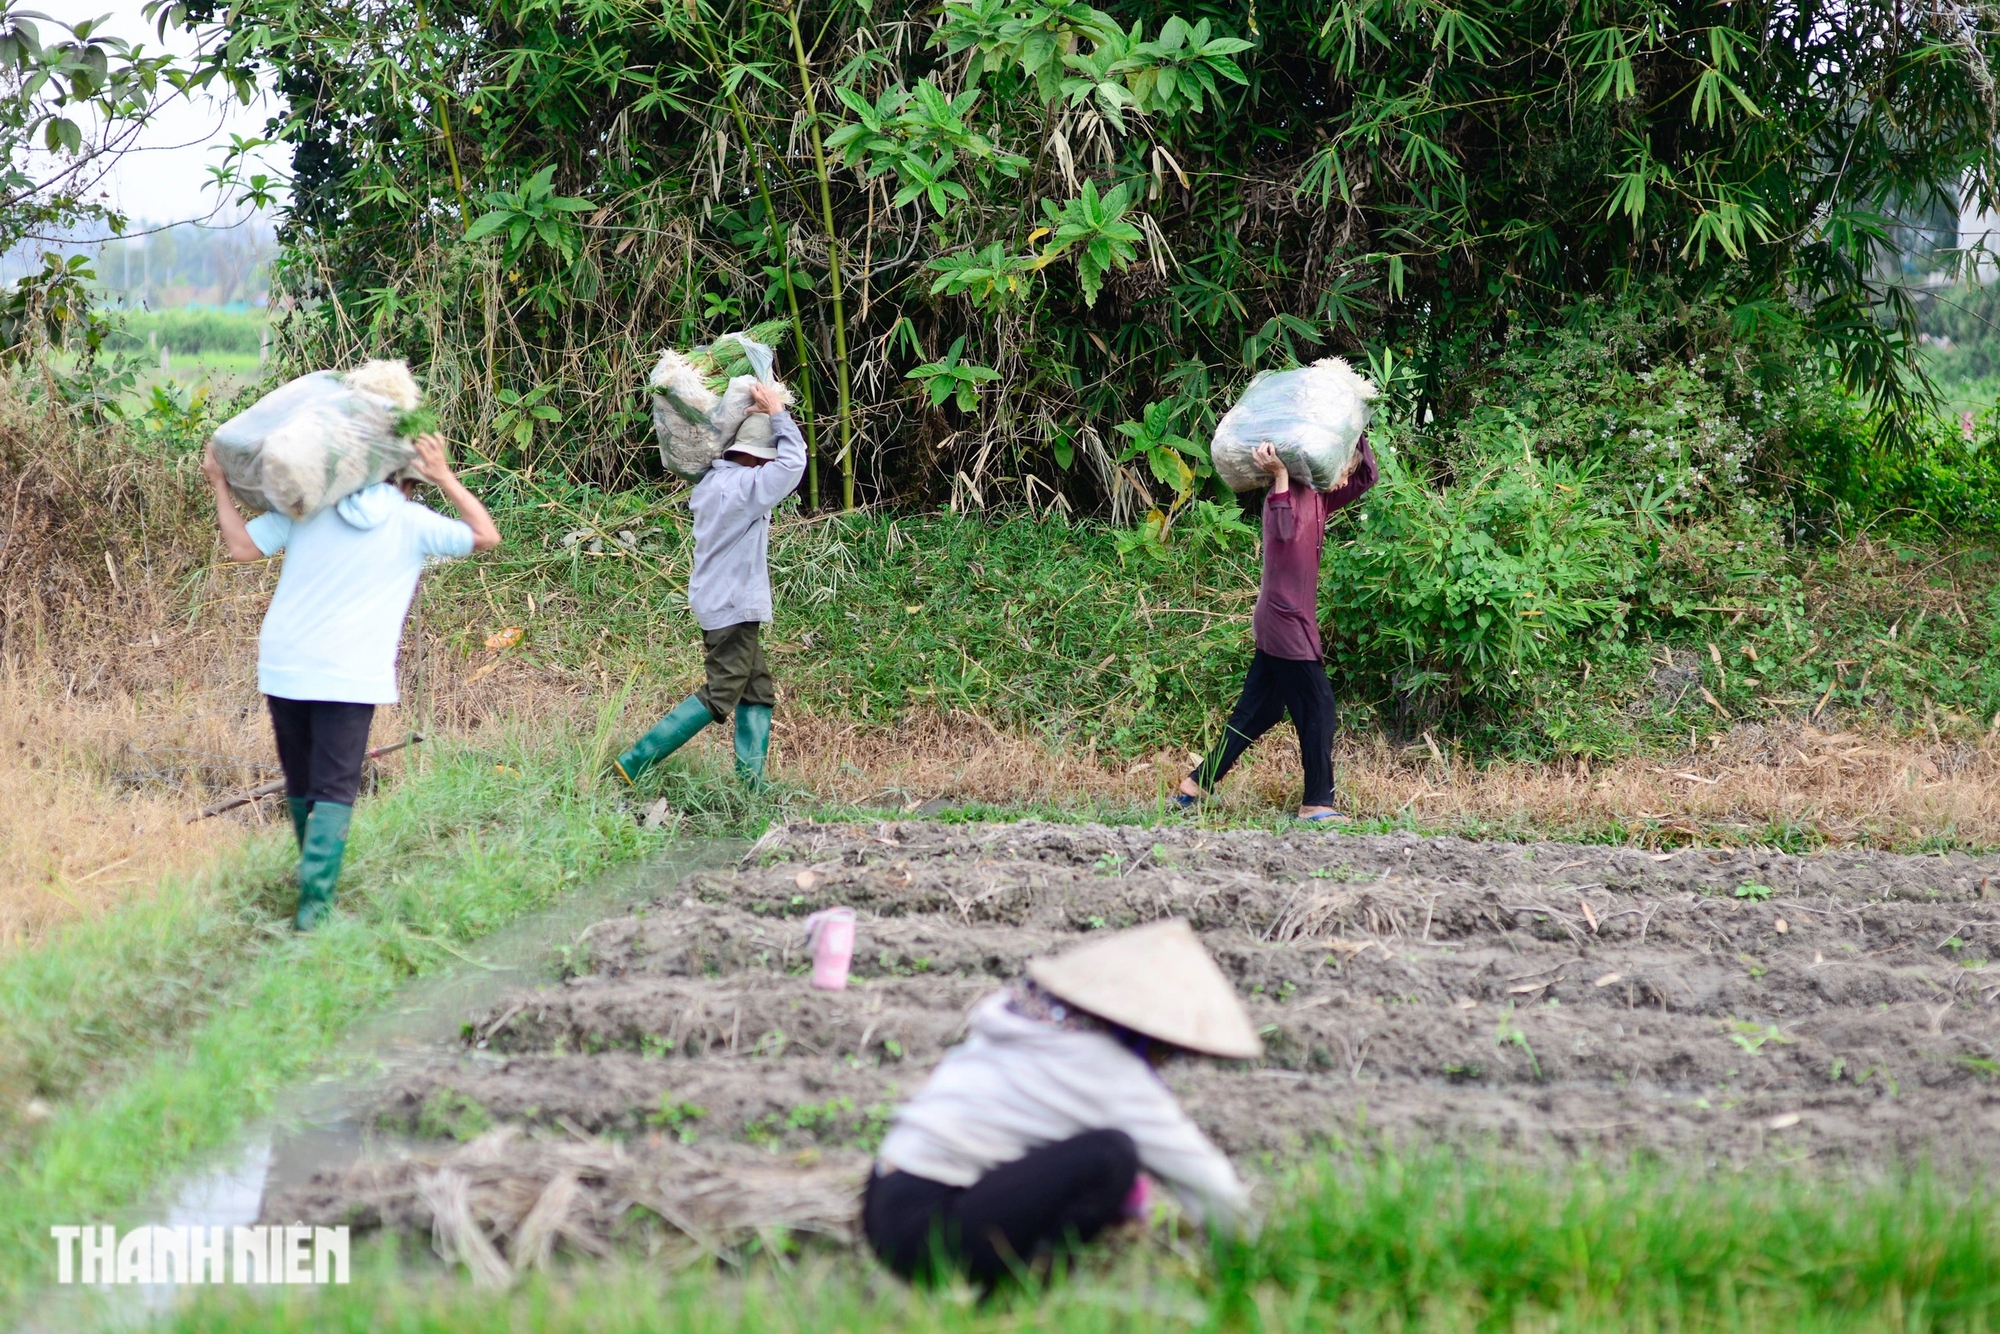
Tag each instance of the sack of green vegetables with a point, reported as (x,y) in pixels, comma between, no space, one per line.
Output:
(701,397)
(313,442)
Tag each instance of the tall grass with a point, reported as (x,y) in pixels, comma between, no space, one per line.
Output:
(75,840)
(1429,1243)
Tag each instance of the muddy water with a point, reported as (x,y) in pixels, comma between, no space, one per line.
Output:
(328,1124)
(682,1077)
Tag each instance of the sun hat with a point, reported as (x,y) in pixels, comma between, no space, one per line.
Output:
(1156,980)
(756,449)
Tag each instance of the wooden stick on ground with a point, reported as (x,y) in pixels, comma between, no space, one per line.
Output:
(277,785)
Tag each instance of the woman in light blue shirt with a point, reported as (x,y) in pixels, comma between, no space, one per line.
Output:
(327,653)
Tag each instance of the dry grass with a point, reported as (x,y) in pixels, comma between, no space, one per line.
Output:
(1746,786)
(106,702)
(1799,780)
(1836,787)
(95,782)
(75,841)
(98,784)
(500,1204)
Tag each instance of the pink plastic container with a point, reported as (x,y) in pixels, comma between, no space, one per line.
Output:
(831,936)
(1139,1203)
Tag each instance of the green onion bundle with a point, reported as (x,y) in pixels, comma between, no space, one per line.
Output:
(725,359)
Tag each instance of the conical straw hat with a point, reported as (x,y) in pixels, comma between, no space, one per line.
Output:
(1155,980)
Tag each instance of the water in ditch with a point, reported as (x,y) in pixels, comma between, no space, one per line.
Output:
(318,1123)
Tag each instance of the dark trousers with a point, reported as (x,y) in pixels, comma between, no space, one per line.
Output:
(1058,1195)
(734,671)
(1273,688)
(322,745)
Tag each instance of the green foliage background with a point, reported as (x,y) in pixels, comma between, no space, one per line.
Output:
(1618,268)
(1544,577)
(1122,212)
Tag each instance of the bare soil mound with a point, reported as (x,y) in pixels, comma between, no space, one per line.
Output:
(682,1079)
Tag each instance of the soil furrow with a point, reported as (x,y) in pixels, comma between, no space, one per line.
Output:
(1719,1006)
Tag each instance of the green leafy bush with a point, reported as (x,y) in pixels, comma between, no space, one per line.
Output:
(1943,479)
(1839,480)
(1456,591)
(1708,409)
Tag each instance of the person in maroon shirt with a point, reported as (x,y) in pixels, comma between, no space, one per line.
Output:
(1287,672)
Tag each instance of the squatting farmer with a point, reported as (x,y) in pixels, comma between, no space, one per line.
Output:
(327,653)
(1031,1135)
(1287,671)
(730,595)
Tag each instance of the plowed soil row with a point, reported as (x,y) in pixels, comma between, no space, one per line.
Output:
(1538,999)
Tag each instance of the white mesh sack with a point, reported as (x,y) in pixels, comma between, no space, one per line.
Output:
(318,439)
(1314,415)
(694,422)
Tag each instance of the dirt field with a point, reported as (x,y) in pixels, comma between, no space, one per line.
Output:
(1724,1007)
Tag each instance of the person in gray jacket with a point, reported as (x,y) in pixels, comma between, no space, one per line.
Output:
(1030,1137)
(730,596)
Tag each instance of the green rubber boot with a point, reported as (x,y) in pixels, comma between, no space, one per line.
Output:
(299,807)
(753,742)
(324,848)
(668,735)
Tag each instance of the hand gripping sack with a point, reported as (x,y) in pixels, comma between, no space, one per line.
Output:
(694,421)
(313,442)
(1314,415)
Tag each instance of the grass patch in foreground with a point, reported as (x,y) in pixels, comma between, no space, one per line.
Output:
(1383,1244)
(158,1031)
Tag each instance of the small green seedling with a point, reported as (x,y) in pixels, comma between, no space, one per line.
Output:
(678,1117)
(1755,892)
(449,1114)
(1751,1036)
(1508,1032)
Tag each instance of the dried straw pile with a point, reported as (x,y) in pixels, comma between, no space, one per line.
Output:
(502,1203)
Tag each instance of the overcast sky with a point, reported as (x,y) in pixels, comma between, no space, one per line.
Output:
(162,179)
